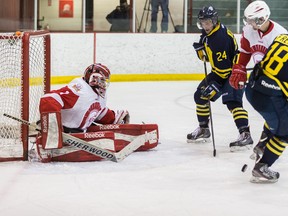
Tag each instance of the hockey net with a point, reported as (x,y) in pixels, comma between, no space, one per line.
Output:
(24,78)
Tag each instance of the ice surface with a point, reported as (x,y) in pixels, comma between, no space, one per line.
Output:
(174,179)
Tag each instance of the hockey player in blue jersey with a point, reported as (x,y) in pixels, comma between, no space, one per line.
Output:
(218,46)
(258,33)
(267,92)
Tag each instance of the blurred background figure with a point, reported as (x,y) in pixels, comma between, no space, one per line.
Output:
(119,18)
(155,4)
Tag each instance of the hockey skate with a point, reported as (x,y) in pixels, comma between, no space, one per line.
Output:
(258,150)
(262,174)
(200,135)
(243,142)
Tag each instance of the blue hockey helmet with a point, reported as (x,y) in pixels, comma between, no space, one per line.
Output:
(207,13)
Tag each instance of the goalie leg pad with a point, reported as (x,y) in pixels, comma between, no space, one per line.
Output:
(125,133)
(51,130)
(102,139)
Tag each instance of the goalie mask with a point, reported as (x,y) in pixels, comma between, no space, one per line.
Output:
(207,14)
(256,13)
(98,77)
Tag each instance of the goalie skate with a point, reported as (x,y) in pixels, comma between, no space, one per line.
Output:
(243,142)
(200,135)
(262,174)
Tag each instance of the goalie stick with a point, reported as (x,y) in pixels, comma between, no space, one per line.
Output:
(94,149)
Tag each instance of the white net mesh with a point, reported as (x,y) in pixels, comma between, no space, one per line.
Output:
(11,95)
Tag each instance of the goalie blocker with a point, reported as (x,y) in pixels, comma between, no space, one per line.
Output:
(113,137)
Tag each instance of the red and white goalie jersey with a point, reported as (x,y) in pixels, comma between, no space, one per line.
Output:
(255,43)
(80,106)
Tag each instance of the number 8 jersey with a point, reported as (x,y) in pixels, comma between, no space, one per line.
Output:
(275,62)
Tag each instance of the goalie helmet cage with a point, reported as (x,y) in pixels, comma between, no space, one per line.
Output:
(24,78)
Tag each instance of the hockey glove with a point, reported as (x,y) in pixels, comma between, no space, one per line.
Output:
(122,117)
(198,46)
(200,51)
(211,90)
(238,77)
(257,72)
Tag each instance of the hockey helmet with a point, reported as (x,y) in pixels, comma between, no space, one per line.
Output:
(98,77)
(207,13)
(256,13)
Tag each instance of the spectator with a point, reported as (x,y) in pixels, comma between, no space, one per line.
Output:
(119,18)
(165,13)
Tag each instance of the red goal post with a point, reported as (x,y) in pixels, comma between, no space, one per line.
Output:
(24,78)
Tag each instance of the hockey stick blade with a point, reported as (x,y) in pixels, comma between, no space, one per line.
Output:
(135,144)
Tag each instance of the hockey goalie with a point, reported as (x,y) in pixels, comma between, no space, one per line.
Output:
(79,109)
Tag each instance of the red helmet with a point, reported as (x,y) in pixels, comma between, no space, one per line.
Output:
(99,82)
(96,68)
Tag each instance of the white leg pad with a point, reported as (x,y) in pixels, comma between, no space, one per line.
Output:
(51,128)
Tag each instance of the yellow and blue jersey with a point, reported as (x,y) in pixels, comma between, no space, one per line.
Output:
(275,62)
(221,48)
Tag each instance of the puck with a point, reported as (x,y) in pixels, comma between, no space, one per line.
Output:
(244,168)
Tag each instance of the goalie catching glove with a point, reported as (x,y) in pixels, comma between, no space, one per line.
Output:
(122,117)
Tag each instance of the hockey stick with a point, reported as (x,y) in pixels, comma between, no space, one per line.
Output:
(22,121)
(209,103)
(96,150)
